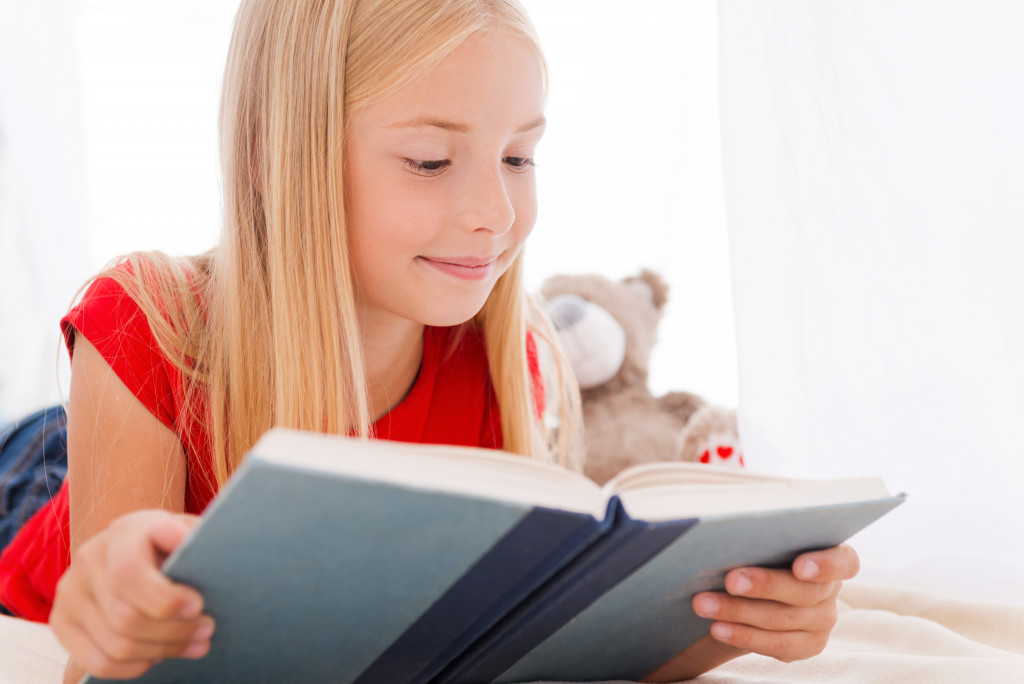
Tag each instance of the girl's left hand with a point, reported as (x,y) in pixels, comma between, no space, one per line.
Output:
(784,614)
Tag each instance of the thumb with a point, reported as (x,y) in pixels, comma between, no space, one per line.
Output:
(169,530)
(188,520)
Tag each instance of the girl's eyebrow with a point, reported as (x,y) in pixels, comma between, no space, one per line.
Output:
(456,127)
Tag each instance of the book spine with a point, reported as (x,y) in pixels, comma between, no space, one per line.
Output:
(529,554)
(626,547)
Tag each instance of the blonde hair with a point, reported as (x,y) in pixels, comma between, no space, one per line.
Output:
(264,327)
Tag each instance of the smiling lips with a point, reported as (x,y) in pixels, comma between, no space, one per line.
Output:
(463,268)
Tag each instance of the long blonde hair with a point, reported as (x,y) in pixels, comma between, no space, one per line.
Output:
(272,338)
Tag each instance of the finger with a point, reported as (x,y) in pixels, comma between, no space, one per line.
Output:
(83,652)
(72,625)
(122,634)
(132,561)
(156,620)
(75,639)
(166,532)
(778,585)
(89,581)
(161,638)
(138,588)
(831,565)
(766,615)
(784,646)
(189,520)
(93,641)
(126,649)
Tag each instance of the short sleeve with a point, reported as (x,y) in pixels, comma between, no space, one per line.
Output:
(114,323)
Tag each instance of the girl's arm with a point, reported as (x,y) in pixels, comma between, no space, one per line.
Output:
(113,610)
(785,614)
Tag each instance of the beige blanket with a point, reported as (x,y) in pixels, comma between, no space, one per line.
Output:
(884,634)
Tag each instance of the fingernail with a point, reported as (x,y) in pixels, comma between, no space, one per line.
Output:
(707,606)
(191,609)
(742,585)
(204,632)
(197,650)
(809,570)
(721,631)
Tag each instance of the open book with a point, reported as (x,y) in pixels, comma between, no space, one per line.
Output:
(329,559)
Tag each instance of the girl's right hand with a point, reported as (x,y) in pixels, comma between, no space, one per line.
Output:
(116,613)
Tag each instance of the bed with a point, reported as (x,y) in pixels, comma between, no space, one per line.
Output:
(885,633)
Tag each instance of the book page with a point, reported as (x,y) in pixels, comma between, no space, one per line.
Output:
(476,472)
(679,472)
(653,497)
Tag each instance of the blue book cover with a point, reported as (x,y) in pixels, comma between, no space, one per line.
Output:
(330,559)
(647,618)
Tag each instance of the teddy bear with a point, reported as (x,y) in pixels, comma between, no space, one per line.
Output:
(608,331)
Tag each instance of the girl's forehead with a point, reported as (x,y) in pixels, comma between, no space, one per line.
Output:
(489,75)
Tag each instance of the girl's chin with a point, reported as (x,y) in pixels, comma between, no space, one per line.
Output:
(450,317)
(438,311)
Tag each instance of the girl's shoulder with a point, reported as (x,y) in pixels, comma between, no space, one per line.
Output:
(139,313)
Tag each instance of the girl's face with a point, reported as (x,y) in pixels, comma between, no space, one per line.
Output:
(440,189)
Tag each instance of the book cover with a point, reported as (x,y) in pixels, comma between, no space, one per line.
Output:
(646,619)
(338,560)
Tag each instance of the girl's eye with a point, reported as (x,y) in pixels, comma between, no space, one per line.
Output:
(427,167)
(519,163)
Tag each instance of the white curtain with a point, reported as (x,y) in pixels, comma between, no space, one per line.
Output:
(44,234)
(873,155)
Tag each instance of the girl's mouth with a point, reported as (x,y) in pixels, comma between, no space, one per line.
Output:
(463,268)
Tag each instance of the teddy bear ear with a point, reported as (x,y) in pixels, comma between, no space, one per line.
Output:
(651,286)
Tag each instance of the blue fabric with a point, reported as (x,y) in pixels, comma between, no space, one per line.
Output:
(33,463)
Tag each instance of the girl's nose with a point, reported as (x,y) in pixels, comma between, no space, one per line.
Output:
(487,204)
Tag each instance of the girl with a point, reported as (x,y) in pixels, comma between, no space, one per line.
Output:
(379,186)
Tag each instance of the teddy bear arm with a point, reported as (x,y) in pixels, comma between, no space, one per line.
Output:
(711,436)
(681,404)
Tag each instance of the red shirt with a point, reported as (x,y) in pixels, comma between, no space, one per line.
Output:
(451,402)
